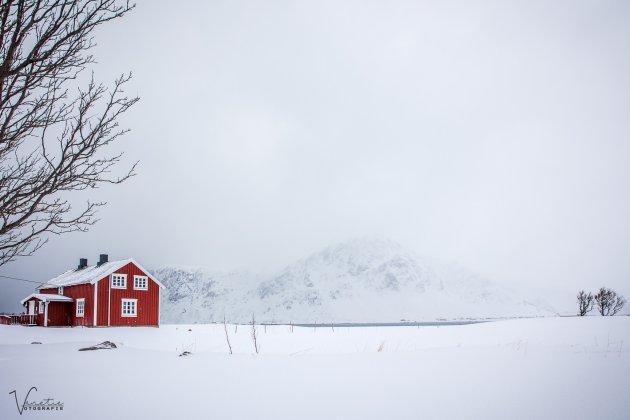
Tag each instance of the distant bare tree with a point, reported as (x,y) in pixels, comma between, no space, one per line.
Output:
(52,141)
(585,300)
(254,336)
(609,302)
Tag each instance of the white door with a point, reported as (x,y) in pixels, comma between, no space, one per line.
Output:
(31,307)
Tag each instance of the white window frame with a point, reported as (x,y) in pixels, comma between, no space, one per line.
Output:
(136,279)
(81,305)
(41,307)
(60,290)
(117,277)
(134,306)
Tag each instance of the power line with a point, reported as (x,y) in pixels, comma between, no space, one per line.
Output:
(19,279)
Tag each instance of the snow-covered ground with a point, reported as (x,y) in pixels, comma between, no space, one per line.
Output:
(543,368)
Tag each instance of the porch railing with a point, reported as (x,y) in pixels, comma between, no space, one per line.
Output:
(24,319)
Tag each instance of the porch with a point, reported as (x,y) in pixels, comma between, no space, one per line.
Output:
(45,310)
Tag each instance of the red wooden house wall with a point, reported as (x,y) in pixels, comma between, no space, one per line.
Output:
(60,314)
(77,291)
(81,291)
(148,305)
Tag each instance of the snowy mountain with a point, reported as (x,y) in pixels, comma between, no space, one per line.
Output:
(363,280)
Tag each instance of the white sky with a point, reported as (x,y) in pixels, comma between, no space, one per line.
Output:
(492,133)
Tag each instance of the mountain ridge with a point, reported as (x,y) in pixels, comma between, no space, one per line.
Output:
(360,280)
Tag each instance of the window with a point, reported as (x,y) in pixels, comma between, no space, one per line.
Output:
(41,307)
(60,290)
(119,281)
(140,282)
(129,308)
(80,308)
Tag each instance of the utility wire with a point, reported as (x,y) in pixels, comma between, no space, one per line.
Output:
(19,279)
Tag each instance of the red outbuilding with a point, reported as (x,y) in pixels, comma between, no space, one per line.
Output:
(108,294)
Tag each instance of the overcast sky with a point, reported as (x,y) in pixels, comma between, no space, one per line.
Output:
(491,133)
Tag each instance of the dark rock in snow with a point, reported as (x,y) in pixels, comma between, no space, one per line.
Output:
(102,346)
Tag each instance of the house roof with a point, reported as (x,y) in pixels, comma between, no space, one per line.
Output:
(92,274)
(46,298)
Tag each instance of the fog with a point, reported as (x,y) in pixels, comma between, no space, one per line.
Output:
(495,134)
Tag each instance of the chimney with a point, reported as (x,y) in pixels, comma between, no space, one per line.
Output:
(82,263)
(102,259)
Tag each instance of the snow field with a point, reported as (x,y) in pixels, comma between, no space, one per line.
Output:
(543,368)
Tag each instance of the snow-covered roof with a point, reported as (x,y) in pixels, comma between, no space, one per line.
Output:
(93,274)
(47,298)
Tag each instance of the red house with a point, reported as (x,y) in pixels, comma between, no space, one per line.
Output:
(108,294)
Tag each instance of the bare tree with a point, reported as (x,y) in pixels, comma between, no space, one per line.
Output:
(52,140)
(609,302)
(254,336)
(585,300)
